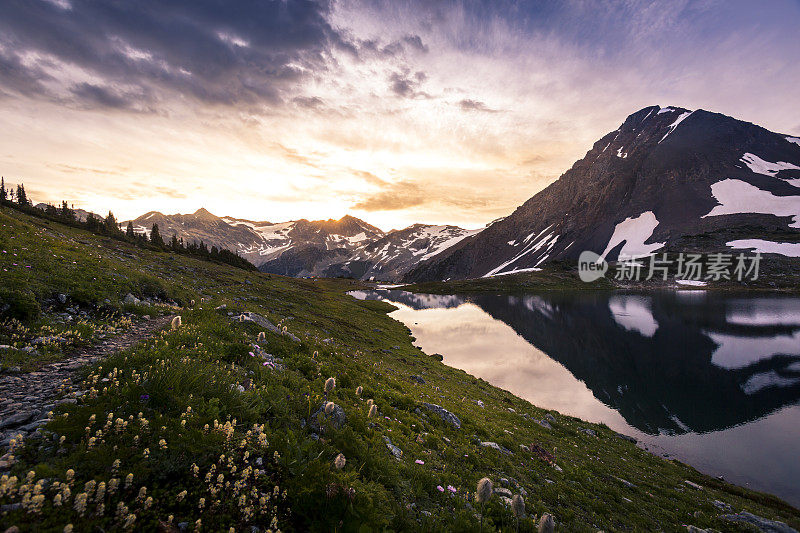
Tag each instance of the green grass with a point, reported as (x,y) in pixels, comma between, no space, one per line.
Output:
(263,431)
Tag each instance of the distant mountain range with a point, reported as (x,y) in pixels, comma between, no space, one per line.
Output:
(345,247)
(666,179)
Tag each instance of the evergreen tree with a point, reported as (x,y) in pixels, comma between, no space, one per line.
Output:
(66,213)
(111,226)
(155,236)
(51,210)
(22,198)
(174,242)
(3,193)
(129,230)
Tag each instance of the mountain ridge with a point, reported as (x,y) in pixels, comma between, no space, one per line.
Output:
(656,181)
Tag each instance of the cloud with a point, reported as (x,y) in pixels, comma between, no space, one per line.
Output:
(395,196)
(212,52)
(405,84)
(475,105)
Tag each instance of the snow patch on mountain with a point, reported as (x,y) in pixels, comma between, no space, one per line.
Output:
(739,351)
(634,232)
(737,196)
(665,110)
(620,154)
(536,244)
(795,140)
(788,249)
(674,125)
(760,166)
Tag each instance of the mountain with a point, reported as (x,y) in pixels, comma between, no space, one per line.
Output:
(346,247)
(668,178)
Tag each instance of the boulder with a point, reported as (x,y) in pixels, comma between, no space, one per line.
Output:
(444,414)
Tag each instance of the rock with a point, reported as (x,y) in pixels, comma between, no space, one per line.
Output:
(763,524)
(266,324)
(221,307)
(695,529)
(336,419)
(504,482)
(17,419)
(62,298)
(495,446)
(544,423)
(444,414)
(693,485)
(34,425)
(130,299)
(626,483)
(590,432)
(437,356)
(502,491)
(417,379)
(722,506)
(550,418)
(397,452)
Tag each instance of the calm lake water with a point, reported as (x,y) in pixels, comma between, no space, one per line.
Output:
(710,379)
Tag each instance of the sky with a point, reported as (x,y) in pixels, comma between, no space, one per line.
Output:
(393,111)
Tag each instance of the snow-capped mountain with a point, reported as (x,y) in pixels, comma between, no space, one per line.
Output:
(667,179)
(345,247)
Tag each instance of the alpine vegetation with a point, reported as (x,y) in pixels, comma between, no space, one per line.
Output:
(373,411)
(359,391)
(547,524)
(176,322)
(330,384)
(261,337)
(518,507)
(329,407)
(483,494)
(339,461)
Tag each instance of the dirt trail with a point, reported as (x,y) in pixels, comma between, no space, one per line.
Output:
(25,399)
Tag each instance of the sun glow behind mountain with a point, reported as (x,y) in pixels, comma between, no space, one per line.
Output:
(396,112)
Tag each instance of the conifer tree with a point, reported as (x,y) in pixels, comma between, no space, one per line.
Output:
(22,198)
(129,230)
(3,193)
(155,236)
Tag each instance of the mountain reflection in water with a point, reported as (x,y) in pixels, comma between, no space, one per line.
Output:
(687,371)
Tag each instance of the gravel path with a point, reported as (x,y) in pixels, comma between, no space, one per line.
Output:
(25,399)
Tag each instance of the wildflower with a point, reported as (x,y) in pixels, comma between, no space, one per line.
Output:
(162,444)
(451,488)
(80,503)
(70,474)
(370,402)
(262,336)
(420,462)
(142,494)
(115,465)
(131,518)
(113,483)
(359,390)
(330,384)
(57,500)
(176,322)
(195,469)
(148,502)
(181,495)
(198,524)
(201,503)
(547,524)
(439,488)
(329,406)
(68,528)
(339,461)
(101,491)
(373,411)
(146,453)
(484,490)
(518,506)
(128,480)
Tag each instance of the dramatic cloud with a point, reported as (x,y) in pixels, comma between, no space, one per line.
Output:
(398,111)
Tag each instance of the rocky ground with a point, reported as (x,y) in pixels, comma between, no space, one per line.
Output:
(28,398)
